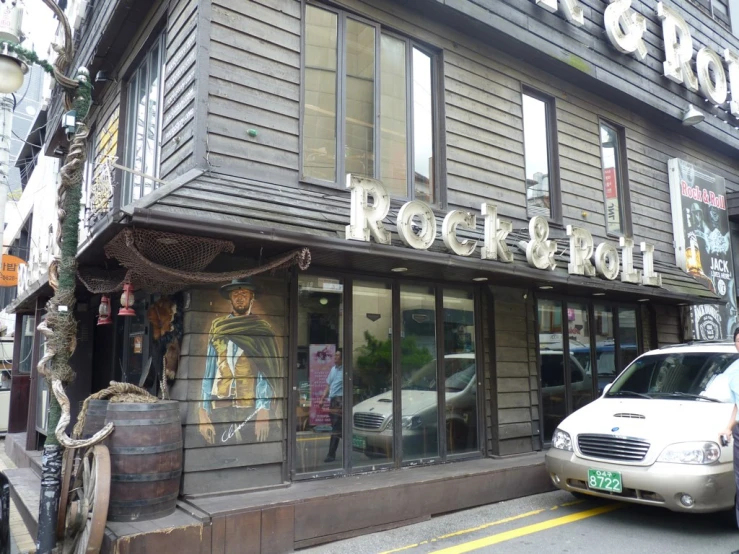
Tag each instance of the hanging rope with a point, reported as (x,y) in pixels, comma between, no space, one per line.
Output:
(116,392)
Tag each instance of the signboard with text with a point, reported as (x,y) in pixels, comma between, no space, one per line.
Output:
(703,244)
(9,273)
(320,362)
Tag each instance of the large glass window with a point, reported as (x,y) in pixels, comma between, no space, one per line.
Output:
(409,374)
(540,155)
(320,375)
(582,348)
(144,114)
(614,179)
(344,103)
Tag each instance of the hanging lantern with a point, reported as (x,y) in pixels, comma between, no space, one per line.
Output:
(127,299)
(104,311)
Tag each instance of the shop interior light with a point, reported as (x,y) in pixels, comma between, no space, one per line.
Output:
(546,287)
(480,279)
(692,116)
(643,300)
(599,294)
(323,301)
(399,269)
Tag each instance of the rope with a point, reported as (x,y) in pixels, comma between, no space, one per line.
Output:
(116,392)
(60,431)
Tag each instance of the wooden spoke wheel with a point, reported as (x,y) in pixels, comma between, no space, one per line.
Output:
(86,501)
(68,466)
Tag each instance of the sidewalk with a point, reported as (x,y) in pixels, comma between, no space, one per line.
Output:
(21,541)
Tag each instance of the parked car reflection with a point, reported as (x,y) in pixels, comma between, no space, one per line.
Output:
(373,420)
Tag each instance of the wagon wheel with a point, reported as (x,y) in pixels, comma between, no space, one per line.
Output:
(87,503)
(68,466)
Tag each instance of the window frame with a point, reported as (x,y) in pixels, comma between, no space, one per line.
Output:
(437,108)
(622,178)
(555,186)
(127,145)
(348,279)
(712,11)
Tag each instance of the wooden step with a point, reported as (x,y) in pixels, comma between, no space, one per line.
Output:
(25,486)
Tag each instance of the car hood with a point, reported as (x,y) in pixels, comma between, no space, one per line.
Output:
(412,401)
(658,421)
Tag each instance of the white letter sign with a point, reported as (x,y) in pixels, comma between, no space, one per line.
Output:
(367,218)
(606,260)
(452,220)
(628,273)
(495,233)
(572,8)
(649,278)
(625,28)
(581,250)
(732,61)
(408,212)
(712,83)
(539,250)
(678,47)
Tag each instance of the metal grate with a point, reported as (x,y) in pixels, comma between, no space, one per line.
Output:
(610,447)
(363,420)
(630,416)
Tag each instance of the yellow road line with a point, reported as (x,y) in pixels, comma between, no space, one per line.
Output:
(484,526)
(528,530)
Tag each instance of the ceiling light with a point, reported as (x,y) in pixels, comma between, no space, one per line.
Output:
(643,300)
(399,269)
(480,279)
(692,116)
(546,287)
(323,301)
(599,294)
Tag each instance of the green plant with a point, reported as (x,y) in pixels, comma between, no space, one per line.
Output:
(375,359)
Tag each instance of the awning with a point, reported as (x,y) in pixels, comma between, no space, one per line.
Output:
(280,217)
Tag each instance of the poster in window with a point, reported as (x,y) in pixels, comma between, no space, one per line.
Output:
(703,244)
(320,362)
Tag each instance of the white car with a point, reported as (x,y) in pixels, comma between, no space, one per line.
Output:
(653,436)
(372,418)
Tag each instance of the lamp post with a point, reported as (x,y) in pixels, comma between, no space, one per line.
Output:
(60,326)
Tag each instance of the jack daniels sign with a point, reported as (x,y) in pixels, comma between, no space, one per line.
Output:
(703,244)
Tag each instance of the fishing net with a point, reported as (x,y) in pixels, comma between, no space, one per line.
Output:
(168,262)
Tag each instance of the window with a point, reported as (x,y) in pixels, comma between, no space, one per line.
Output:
(386,375)
(575,365)
(615,190)
(358,79)
(143,115)
(719,9)
(540,155)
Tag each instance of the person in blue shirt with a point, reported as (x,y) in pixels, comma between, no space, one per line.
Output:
(334,393)
(732,429)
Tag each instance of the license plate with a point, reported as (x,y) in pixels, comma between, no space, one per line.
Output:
(602,480)
(359,442)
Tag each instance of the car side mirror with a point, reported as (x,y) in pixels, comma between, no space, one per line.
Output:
(607,388)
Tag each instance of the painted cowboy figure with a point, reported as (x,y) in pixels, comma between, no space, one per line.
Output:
(242,353)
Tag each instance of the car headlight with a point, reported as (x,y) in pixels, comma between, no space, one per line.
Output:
(411,422)
(561,440)
(690,453)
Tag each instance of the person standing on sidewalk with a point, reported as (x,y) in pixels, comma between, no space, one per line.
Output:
(334,393)
(732,429)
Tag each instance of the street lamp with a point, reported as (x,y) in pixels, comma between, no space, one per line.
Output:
(12,69)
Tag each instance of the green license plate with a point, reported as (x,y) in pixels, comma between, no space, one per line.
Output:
(602,480)
(359,442)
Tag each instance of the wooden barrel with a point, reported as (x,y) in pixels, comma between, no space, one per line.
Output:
(95,418)
(145,460)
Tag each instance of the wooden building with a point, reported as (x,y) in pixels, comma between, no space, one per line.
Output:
(242,121)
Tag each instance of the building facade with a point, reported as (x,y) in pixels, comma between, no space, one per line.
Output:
(484,187)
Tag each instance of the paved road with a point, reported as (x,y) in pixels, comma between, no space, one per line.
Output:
(553,523)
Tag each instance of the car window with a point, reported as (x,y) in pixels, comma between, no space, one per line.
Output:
(459,381)
(693,373)
(552,372)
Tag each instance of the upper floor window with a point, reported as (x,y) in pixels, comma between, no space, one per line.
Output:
(143,124)
(615,188)
(540,155)
(369,106)
(719,9)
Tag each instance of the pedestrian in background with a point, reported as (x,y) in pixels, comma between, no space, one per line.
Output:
(732,430)
(335,394)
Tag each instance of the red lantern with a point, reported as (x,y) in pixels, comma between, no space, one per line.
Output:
(127,299)
(104,311)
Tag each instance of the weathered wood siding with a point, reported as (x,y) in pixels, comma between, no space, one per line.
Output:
(235,459)
(668,322)
(515,373)
(255,84)
(178,121)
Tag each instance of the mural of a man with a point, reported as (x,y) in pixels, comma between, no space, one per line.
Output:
(242,353)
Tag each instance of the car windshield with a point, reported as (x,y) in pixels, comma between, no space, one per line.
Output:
(679,376)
